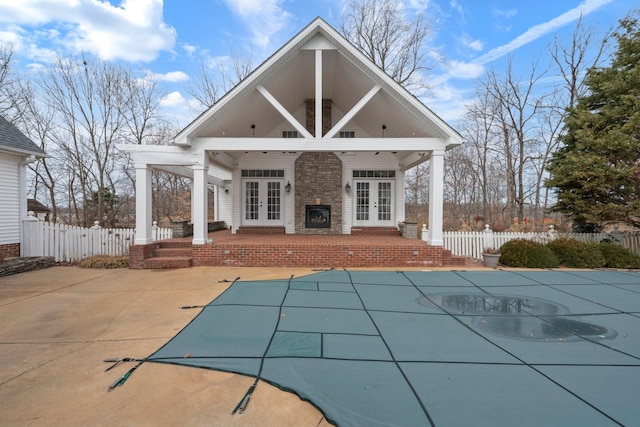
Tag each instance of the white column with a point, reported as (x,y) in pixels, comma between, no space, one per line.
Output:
(436,198)
(199,203)
(143,204)
(318,120)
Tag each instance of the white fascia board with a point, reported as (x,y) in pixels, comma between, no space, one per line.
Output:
(161,154)
(188,173)
(412,160)
(322,144)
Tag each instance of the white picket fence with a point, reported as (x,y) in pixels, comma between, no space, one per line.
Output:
(472,243)
(68,243)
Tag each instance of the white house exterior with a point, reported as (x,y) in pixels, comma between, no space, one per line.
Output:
(315,141)
(16,151)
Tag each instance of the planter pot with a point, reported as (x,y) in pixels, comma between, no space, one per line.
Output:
(491,260)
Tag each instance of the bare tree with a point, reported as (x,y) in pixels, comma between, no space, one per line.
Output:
(381,30)
(416,193)
(517,120)
(12,88)
(85,93)
(573,60)
(38,121)
(213,82)
(205,89)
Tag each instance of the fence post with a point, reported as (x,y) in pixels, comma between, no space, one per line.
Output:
(95,239)
(424,233)
(552,233)
(154,231)
(32,244)
(488,237)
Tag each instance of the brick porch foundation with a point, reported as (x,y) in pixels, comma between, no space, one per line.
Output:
(337,251)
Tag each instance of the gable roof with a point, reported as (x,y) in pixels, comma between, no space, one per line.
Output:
(14,141)
(347,77)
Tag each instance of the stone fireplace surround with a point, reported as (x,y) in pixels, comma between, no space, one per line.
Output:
(318,178)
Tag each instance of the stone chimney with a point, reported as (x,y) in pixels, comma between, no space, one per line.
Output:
(311,115)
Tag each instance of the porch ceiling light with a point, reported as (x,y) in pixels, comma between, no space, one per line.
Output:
(347,188)
(287,187)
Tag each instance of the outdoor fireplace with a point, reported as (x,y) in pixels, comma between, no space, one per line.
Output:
(317,216)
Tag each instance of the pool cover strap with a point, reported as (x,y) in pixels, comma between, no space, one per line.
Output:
(242,405)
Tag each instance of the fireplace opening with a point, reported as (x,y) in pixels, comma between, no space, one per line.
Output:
(317,216)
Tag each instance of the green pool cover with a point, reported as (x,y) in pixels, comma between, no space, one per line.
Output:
(544,348)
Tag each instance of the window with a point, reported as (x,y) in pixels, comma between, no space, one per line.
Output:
(374,174)
(289,133)
(263,173)
(347,134)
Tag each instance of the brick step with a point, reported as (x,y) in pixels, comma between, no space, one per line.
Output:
(168,262)
(455,261)
(163,252)
(163,244)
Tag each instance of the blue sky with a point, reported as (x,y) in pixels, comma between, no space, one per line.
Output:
(172,39)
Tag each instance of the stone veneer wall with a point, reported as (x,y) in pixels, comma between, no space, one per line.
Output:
(318,182)
(318,177)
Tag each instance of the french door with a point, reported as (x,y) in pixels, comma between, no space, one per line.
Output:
(374,203)
(262,202)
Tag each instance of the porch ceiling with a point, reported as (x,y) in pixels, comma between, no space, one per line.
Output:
(294,82)
(289,78)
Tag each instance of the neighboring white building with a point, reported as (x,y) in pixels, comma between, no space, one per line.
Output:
(16,151)
(315,141)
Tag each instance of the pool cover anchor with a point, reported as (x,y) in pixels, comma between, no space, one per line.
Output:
(116,361)
(242,405)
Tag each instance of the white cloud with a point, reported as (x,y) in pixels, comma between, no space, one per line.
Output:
(263,17)
(189,48)
(540,30)
(171,76)
(476,45)
(133,31)
(458,69)
(505,13)
(173,99)
(464,70)
(448,102)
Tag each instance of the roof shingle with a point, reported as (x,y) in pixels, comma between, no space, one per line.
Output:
(12,139)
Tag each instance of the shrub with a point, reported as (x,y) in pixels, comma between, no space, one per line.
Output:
(573,253)
(104,262)
(617,256)
(527,253)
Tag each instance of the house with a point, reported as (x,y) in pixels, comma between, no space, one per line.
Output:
(316,140)
(40,211)
(16,152)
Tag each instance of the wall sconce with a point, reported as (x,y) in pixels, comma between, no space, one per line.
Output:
(287,187)
(347,188)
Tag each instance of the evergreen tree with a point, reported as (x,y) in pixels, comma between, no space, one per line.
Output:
(596,173)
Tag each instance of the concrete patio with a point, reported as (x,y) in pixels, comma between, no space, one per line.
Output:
(57,325)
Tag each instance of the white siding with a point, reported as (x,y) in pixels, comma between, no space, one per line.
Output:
(9,199)
(224,212)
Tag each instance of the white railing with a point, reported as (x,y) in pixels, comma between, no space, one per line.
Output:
(472,243)
(68,243)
